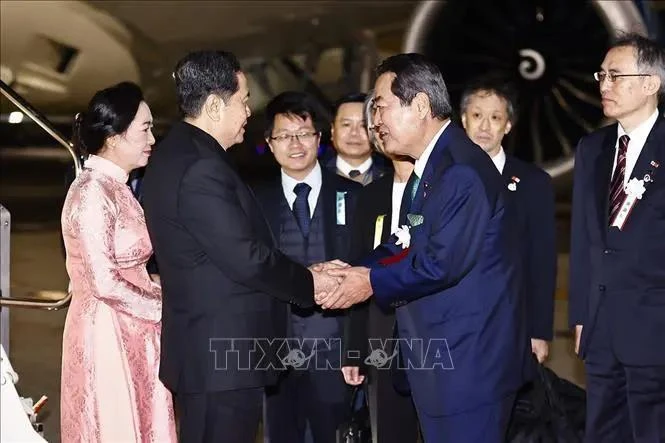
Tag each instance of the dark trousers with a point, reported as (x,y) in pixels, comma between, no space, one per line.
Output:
(485,424)
(392,414)
(318,397)
(624,403)
(225,416)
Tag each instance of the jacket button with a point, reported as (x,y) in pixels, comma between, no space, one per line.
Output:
(601,287)
(608,251)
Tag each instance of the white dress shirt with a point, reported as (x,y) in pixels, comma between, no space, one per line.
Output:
(313,179)
(398,192)
(344,167)
(499,160)
(420,164)
(638,138)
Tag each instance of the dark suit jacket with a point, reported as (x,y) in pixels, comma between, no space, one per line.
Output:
(375,199)
(457,287)
(222,276)
(338,240)
(623,270)
(380,164)
(534,201)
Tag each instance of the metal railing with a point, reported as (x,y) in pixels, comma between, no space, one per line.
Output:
(27,109)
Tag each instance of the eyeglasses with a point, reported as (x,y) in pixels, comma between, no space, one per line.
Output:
(600,76)
(302,137)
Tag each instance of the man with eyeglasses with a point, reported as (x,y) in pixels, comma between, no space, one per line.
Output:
(354,157)
(617,258)
(310,211)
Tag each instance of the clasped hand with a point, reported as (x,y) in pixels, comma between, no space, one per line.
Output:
(337,285)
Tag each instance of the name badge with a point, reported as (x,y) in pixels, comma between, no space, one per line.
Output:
(341,208)
(624,211)
(378,229)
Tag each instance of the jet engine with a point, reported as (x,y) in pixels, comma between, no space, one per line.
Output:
(547,49)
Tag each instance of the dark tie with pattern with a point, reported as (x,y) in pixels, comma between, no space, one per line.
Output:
(301,207)
(353,173)
(616,185)
(408,197)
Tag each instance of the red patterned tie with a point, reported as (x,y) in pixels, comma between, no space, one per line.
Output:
(617,193)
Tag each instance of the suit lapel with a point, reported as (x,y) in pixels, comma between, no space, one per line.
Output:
(272,208)
(508,169)
(603,175)
(650,150)
(328,206)
(438,161)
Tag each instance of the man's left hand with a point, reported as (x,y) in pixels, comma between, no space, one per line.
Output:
(541,348)
(355,288)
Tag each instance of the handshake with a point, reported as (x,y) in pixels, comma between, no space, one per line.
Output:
(338,285)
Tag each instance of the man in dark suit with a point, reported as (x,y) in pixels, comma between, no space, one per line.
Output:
(310,211)
(617,257)
(487,112)
(225,284)
(353,156)
(452,273)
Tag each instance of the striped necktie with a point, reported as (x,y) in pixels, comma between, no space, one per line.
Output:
(617,193)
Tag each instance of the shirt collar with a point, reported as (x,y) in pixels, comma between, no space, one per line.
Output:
(345,167)
(313,179)
(499,160)
(638,136)
(419,167)
(106,167)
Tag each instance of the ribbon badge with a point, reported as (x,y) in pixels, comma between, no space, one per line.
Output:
(634,190)
(512,186)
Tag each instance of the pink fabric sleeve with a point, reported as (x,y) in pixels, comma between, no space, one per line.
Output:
(97,226)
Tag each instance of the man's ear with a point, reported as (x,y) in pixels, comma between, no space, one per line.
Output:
(422,103)
(509,126)
(269,145)
(213,107)
(652,84)
(464,121)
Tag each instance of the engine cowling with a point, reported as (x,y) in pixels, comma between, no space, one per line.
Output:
(547,49)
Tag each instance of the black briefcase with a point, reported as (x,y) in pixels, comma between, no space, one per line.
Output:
(548,410)
(357,428)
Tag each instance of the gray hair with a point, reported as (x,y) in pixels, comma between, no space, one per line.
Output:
(414,73)
(650,56)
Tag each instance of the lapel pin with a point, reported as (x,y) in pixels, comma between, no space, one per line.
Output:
(512,186)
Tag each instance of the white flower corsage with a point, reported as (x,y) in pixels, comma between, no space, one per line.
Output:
(635,188)
(403,236)
(634,191)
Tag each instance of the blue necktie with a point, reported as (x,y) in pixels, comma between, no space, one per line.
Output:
(301,207)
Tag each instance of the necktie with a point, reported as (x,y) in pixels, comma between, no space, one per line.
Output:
(414,186)
(301,207)
(409,195)
(353,173)
(616,185)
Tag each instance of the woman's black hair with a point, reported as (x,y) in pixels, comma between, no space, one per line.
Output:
(110,112)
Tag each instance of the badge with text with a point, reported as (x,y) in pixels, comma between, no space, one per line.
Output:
(634,190)
(341,208)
